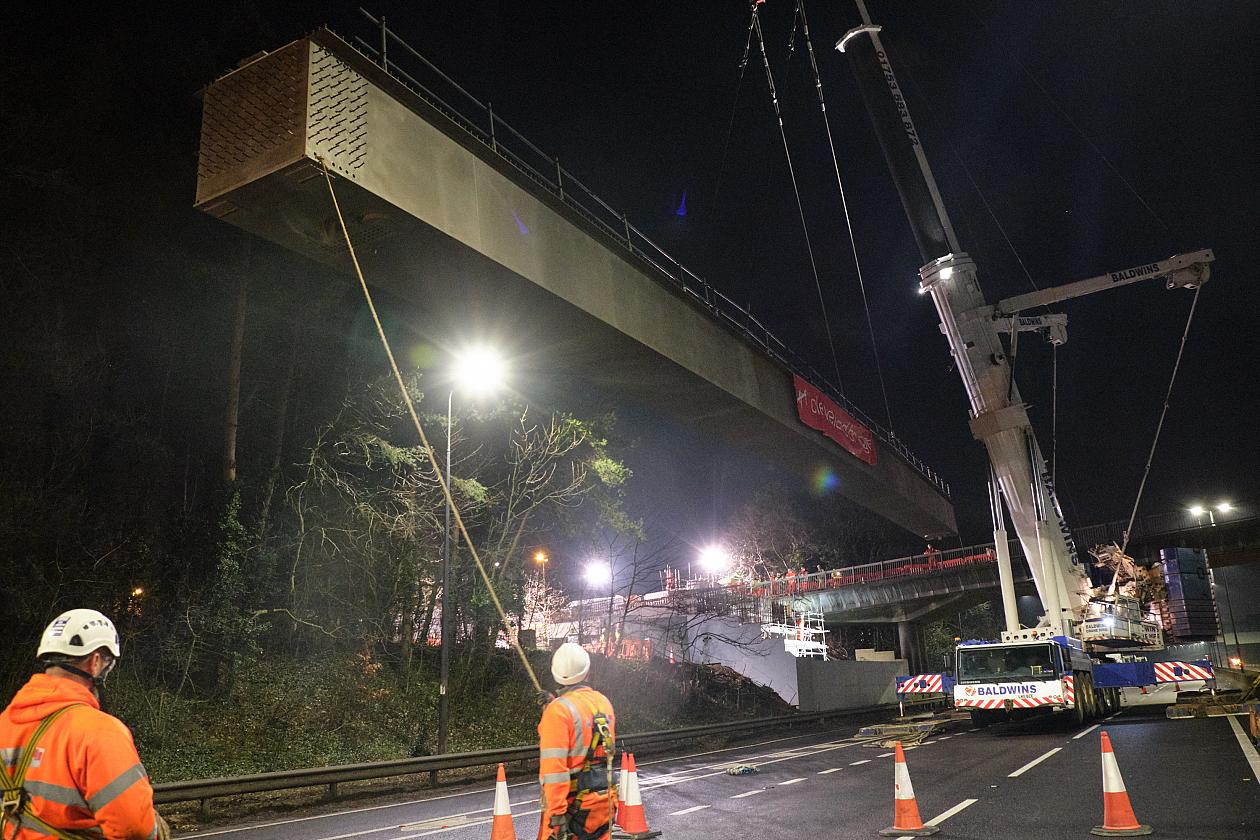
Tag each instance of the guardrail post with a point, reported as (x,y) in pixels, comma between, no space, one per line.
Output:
(332,790)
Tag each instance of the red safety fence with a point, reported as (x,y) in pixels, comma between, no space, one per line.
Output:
(924,564)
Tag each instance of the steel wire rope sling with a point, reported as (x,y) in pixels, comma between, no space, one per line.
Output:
(1185,335)
(787,154)
(424,439)
(844,201)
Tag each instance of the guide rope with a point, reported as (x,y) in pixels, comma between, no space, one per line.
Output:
(424,440)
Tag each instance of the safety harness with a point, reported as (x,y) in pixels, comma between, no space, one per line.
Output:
(16,806)
(587,780)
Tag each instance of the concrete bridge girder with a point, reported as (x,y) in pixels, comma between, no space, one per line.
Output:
(445,223)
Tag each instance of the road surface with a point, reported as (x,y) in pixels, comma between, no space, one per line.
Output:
(1190,779)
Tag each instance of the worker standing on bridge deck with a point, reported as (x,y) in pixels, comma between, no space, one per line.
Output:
(576,739)
(69,770)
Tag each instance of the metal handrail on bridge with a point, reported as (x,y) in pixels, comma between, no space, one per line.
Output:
(201,789)
(500,138)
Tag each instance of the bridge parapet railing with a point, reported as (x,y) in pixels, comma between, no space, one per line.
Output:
(492,131)
(928,563)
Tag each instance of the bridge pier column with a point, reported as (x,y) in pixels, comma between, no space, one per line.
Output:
(908,645)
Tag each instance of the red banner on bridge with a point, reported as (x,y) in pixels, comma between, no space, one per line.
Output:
(818,411)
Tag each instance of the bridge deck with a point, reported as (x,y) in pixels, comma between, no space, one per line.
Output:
(448,218)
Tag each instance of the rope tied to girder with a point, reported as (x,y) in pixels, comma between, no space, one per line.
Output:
(424,439)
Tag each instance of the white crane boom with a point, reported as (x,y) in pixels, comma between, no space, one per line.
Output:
(1184,271)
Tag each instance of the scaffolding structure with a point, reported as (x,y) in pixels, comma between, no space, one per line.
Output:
(804,634)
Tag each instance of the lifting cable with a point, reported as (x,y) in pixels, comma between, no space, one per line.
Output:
(774,100)
(1128,531)
(424,440)
(835,163)
(730,126)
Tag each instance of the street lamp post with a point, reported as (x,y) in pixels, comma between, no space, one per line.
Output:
(540,557)
(481,370)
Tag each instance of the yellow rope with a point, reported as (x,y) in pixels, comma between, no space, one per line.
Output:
(424,440)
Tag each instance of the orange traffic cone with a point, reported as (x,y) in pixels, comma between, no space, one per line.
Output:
(906,819)
(631,820)
(1118,817)
(621,791)
(501,827)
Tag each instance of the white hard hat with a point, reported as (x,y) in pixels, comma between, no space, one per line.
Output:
(78,633)
(570,664)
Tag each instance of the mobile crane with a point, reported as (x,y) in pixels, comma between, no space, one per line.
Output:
(1052,666)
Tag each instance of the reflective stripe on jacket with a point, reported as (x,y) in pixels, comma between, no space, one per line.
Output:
(565,734)
(85,774)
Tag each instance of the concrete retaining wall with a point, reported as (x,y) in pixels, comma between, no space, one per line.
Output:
(846,684)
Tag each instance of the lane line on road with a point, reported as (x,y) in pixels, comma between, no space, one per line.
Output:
(940,818)
(856,763)
(792,781)
(690,810)
(476,792)
(1030,765)
(884,755)
(748,793)
(832,770)
(1085,732)
(665,780)
(945,737)
(1249,752)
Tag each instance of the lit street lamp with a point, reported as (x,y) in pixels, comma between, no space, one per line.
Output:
(1197,511)
(480,371)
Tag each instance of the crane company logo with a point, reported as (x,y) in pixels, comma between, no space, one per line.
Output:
(816,410)
(1006,690)
(1131,273)
(969,691)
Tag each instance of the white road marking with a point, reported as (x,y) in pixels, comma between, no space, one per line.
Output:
(856,763)
(832,770)
(925,743)
(1030,765)
(533,783)
(748,793)
(1085,732)
(940,818)
(665,780)
(792,781)
(884,755)
(1248,750)
(690,810)
(945,737)
(977,729)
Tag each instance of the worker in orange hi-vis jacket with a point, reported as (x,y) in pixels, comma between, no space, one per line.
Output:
(67,769)
(576,740)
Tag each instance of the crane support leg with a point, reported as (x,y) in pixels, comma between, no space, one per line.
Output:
(1006,578)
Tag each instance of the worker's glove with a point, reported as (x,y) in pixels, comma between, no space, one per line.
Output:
(559,826)
(545,697)
(163,829)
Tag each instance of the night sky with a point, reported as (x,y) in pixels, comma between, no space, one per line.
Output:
(1017,104)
